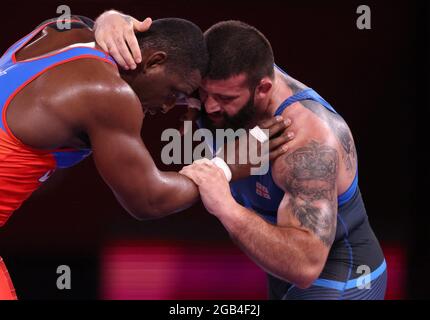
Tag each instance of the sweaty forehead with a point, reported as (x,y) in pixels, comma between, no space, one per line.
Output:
(233,85)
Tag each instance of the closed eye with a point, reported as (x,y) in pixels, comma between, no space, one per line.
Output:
(226,98)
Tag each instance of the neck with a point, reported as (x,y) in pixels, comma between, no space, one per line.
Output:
(128,76)
(280,91)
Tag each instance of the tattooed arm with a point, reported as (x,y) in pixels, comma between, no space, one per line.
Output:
(297,248)
(308,177)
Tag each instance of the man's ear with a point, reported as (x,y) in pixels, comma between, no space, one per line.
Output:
(155,59)
(263,87)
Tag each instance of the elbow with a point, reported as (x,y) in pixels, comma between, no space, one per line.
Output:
(313,264)
(138,214)
(309,274)
(146,213)
(306,279)
(142,215)
(150,208)
(146,207)
(140,210)
(302,278)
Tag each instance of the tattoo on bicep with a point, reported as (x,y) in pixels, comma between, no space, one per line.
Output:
(310,179)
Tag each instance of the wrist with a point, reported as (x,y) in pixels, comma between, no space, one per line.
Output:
(220,163)
(227,208)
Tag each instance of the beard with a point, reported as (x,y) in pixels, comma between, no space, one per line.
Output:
(242,120)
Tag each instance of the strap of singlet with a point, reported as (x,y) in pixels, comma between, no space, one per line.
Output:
(24,40)
(307,94)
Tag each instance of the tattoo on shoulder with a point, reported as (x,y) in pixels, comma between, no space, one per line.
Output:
(310,179)
(340,129)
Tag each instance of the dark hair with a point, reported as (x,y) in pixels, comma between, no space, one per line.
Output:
(235,47)
(181,39)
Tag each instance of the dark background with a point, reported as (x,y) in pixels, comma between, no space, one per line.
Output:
(371,77)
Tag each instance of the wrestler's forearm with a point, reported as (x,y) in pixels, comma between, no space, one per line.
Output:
(174,193)
(163,194)
(284,252)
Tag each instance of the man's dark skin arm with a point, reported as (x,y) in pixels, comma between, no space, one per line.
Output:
(113,124)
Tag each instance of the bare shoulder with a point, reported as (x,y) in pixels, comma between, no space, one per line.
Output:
(313,154)
(96,91)
(319,133)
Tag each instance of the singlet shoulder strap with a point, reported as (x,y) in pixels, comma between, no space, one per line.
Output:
(10,52)
(307,94)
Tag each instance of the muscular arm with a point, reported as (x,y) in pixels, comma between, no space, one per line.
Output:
(114,126)
(297,248)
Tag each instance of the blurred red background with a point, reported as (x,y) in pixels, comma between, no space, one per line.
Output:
(152,270)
